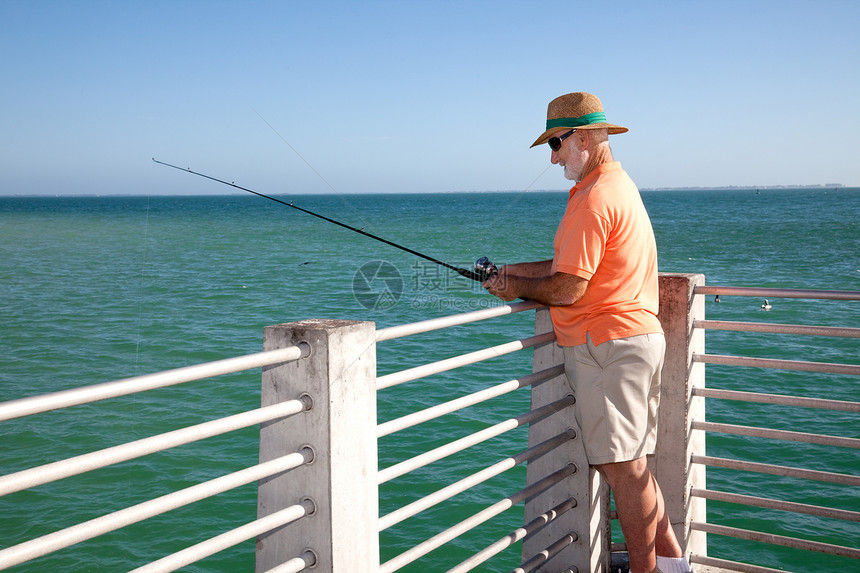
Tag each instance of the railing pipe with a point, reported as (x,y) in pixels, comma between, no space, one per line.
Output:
(55,471)
(729,565)
(462,485)
(229,539)
(439,410)
(784,435)
(393,332)
(547,554)
(823,403)
(122,518)
(773,328)
(778,364)
(63,399)
(445,450)
(451,533)
(513,537)
(778,540)
(410,374)
(767,503)
(777,292)
(306,560)
(831,477)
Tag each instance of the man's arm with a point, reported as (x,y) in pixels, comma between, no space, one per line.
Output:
(533,281)
(535,269)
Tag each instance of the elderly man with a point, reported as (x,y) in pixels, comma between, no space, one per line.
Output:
(601,287)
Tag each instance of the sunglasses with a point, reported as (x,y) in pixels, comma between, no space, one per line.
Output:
(555,142)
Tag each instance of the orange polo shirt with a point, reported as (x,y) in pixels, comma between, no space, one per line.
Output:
(606,237)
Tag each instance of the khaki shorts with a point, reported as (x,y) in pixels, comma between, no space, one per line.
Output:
(617,389)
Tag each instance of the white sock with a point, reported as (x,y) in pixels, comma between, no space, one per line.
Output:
(673,564)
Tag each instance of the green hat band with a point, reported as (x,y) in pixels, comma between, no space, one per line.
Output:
(589,118)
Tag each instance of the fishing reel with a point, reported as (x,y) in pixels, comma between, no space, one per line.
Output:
(485,268)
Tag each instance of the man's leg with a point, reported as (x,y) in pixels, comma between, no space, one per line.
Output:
(641,511)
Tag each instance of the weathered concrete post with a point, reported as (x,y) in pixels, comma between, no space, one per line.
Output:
(589,519)
(339,377)
(676,442)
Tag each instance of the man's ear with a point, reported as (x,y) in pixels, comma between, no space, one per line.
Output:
(582,137)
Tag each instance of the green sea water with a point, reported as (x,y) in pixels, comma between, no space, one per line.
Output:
(95,289)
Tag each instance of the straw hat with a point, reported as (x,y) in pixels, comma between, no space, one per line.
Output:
(578,110)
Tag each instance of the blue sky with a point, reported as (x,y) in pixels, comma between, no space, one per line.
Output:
(385,96)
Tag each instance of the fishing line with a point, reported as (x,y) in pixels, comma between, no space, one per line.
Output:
(475,276)
(295,151)
(311,167)
(483,266)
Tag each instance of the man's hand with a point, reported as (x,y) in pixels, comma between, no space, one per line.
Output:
(503,285)
(558,289)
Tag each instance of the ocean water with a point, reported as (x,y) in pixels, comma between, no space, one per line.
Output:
(100,288)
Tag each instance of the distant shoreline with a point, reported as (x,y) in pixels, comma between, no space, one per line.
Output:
(825,187)
(745,187)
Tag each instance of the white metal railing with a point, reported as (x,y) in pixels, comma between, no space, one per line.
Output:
(55,471)
(481,517)
(468,482)
(481,475)
(518,535)
(51,472)
(347,347)
(134,514)
(226,540)
(425,370)
(421,460)
(775,434)
(282,404)
(317,371)
(84,395)
(451,406)
(453,320)
(279,412)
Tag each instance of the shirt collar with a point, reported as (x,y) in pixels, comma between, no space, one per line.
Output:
(591,178)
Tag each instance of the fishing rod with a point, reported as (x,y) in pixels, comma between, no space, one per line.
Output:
(483,267)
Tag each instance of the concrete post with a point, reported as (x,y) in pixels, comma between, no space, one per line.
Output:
(589,519)
(676,442)
(339,377)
